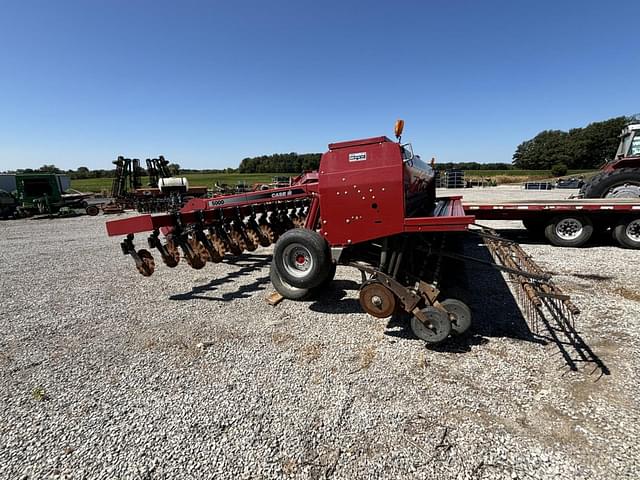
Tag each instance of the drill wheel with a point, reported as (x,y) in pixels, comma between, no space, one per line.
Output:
(199,258)
(218,248)
(173,254)
(147,265)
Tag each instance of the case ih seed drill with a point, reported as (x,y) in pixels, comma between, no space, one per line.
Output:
(371,206)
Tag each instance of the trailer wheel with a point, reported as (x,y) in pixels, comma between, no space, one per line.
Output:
(569,230)
(437,329)
(459,315)
(302,258)
(283,288)
(627,233)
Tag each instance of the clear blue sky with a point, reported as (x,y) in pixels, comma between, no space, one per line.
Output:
(207,83)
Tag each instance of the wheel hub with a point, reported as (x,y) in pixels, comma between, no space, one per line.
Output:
(633,230)
(297,260)
(569,229)
(628,190)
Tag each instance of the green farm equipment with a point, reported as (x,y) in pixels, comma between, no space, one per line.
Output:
(49,193)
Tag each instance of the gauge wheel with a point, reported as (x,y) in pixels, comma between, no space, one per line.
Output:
(459,315)
(437,327)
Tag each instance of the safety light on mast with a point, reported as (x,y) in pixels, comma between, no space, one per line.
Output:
(398,129)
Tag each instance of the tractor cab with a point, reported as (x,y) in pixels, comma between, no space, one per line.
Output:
(629,141)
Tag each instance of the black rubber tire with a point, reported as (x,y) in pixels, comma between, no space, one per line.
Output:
(283,288)
(330,277)
(600,184)
(584,236)
(92,210)
(315,249)
(621,233)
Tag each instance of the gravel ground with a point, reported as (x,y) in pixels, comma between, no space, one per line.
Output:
(102,374)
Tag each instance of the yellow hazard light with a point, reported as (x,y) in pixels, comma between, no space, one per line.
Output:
(399,128)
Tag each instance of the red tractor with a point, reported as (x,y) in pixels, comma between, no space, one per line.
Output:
(620,177)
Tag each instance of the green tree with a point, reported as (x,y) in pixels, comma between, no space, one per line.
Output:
(580,148)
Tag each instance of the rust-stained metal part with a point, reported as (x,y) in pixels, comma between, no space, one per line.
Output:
(252,239)
(268,233)
(236,242)
(217,247)
(377,300)
(197,254)
(172,257)
(146,266)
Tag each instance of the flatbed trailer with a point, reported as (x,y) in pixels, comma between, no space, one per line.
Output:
(568,223)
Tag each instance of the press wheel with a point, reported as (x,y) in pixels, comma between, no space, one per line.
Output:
(435,329)
(377,300)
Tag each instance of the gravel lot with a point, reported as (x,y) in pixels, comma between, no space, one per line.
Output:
(102,375)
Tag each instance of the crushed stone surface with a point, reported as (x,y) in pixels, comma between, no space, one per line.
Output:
(191,374)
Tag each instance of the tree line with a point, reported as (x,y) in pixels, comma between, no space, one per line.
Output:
(280,163)
(579,148)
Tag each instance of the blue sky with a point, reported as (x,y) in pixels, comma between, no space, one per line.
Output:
(207,83)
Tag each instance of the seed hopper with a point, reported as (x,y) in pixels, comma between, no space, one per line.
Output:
(372,206)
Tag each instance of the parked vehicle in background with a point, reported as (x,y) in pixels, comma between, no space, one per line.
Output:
(8,205)
(620,177)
